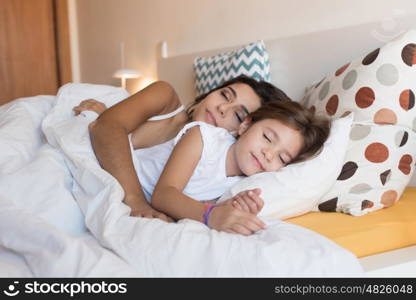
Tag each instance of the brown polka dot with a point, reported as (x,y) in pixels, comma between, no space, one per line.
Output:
(376,152)
(342,69)
(330,205)
(312,109)
(407,99)
(409,54)
(332,105)
(385,176)
(366,204)
(364,97)
(348,170)
(385,116)
(371,57)
(388,198)
(405,164)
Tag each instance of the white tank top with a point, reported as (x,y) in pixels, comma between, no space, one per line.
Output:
(209,180)
(168,115)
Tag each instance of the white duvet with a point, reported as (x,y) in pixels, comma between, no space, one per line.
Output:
(61,215)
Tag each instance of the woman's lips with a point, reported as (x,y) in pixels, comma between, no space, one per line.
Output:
(257,162)
(211,119)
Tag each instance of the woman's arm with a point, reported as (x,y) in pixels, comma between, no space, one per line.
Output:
(168,197)
(109,137)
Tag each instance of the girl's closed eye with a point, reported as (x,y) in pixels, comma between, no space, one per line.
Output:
(282,160)
(267,138)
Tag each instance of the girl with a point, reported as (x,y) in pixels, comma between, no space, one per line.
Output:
(207,160)
(225,106)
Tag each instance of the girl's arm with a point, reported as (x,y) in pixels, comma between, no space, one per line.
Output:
(109,137)
(168,197)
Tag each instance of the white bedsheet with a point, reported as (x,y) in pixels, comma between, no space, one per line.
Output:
(57,204)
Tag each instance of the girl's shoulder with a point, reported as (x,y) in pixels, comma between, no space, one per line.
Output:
(207,130)
(215,140)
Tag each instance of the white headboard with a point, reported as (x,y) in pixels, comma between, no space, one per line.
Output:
(296,61)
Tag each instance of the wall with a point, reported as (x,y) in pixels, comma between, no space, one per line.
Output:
(197,25)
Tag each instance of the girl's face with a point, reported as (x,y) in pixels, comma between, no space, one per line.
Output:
(227,107)
(266,146)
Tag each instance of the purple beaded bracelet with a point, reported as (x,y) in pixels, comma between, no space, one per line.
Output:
(208,209)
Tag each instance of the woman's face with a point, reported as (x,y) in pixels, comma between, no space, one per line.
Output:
(227,107)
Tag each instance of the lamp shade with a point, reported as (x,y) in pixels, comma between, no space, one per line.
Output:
(126,73)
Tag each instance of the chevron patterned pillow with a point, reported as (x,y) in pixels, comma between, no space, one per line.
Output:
(251,60)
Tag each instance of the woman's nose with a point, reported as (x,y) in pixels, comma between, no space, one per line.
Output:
(222,109)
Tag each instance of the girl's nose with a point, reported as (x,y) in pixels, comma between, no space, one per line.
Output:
(268,153)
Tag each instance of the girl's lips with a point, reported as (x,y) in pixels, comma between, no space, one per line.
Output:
(211,119)
(257,162)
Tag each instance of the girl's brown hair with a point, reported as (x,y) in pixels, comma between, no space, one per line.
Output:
(267,92)
(315,130)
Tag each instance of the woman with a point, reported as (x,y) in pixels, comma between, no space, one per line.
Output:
(225,106)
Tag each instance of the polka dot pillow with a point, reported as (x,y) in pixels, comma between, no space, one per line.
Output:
(380,89)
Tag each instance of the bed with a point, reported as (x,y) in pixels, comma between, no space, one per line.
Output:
(384,241)
(58,205)
(75,215)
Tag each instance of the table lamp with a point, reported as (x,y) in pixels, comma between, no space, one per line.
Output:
(124,73)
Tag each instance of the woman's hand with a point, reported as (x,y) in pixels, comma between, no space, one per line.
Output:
(248,201)
(227,218)
(144,210)
(90,104)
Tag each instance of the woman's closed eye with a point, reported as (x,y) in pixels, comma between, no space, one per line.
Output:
(239,118)
(225,95)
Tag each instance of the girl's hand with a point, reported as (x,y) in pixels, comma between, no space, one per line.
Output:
(232,220)
(249,201)
(90,104)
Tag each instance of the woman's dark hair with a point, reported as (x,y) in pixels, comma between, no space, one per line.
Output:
(265,90)
(314,129)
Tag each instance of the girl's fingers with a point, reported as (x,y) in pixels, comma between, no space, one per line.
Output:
(242,203)
(257,191)
(259,222)
(254,225)
(237,205)
(241,229)
(251,203)
(257,200)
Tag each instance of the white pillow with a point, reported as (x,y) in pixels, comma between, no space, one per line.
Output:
(297,188)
